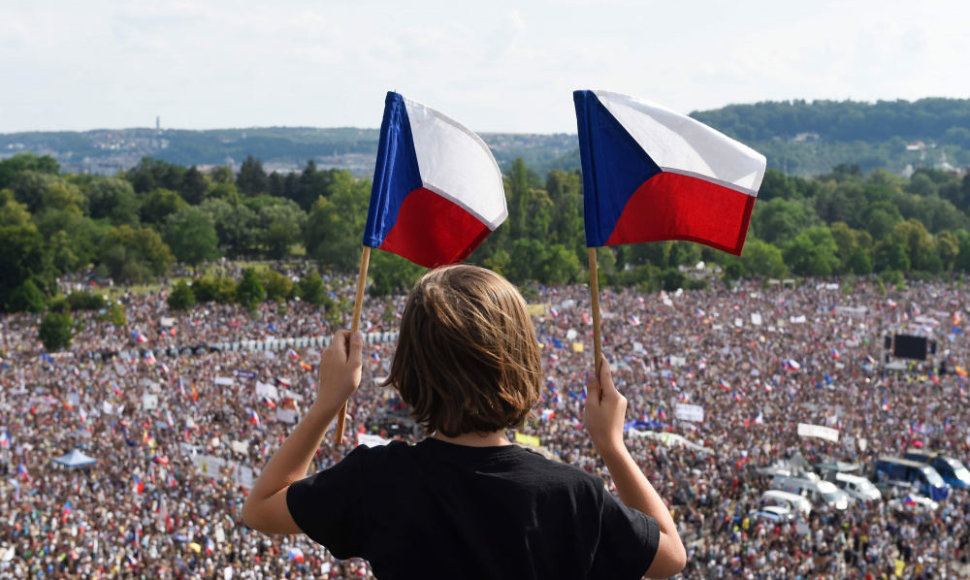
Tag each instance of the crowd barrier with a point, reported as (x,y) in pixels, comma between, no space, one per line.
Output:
(318,342)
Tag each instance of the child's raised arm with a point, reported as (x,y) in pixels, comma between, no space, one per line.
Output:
(340,367)
(605,412)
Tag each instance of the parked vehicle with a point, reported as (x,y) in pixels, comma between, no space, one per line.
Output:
(859,488)
(924,478)
(794,503)
(951,470)
(819,492)
(772,513)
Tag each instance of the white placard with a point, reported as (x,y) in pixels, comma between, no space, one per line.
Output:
(827,433)
(149,402)
(208,464)
(266,390)
(371,440)
(225,381)
(693,413)
(286,415)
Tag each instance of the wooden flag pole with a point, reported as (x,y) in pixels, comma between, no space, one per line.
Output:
(594,289)
(338,433)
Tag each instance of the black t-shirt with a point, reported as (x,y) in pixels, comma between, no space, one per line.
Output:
(440,510)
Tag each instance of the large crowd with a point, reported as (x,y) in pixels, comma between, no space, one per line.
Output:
(178,437)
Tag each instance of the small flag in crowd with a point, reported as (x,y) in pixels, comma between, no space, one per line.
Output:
(651,174)
(253,417)
(139,485)
(293,354)
(437,190)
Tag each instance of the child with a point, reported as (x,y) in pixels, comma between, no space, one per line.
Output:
(465,502)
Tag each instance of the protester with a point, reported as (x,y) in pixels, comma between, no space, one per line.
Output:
(176,437)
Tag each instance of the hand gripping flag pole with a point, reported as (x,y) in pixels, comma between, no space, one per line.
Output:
(437,193)
(650,174)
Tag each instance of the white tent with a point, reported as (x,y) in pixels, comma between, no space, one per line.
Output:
(75,459)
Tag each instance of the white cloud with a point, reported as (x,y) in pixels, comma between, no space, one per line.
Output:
(496,66)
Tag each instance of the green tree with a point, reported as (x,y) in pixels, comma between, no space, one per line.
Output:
(278,287)
(80,301)
(559,266)
(280,225)
(312,290)
(151,174)
(27,298)
(673,279)
(134,255)
(194,186)
(250,292)
(880,218)
(23,256)
(56,331)
(191,236)
(392,274)
(311,185)
(159,204)
(812,253)
(918,245)
(26,162)
(181,297)
(780,220)
(235,226)
(252,179)
(29,188)
(890,255)
(112,199)
(333,231)
(759,258)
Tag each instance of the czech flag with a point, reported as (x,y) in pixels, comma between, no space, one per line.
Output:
(651,174)
(437,190)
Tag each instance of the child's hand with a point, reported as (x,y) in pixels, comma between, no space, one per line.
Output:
(605,412)
(340,368)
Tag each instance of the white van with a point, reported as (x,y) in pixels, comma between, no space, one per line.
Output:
(858,487)
(819,492)
(795,503)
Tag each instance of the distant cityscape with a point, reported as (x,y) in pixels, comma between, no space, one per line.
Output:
(284,150)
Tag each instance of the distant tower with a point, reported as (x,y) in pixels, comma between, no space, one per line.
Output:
(158,124)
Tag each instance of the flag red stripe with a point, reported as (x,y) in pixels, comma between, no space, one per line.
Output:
(671,206)
(431,230)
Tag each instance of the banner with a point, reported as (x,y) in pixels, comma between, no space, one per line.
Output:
(693,413)
(529,440)
(286,416)
(208,464)
(538,309)
(827,433)
(371,440)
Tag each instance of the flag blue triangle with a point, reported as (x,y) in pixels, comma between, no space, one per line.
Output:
(614,166)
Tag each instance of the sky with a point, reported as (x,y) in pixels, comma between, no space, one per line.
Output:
(494,66)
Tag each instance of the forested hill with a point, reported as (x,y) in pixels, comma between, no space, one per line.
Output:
(798,137)
(810,138)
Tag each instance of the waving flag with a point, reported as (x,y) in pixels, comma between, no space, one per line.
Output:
(651,174)
(437,190)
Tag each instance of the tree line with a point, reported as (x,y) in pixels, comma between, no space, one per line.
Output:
(133,227)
